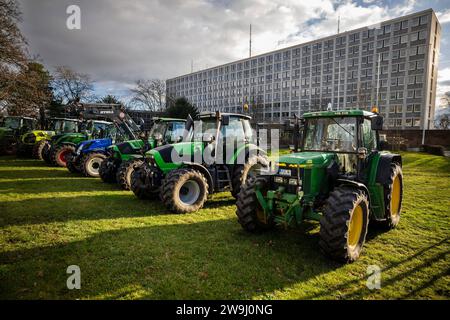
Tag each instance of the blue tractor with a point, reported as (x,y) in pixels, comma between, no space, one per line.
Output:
(89,154)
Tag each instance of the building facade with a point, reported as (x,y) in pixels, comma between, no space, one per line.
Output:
(396,58)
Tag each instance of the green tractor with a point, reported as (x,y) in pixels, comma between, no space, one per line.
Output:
(336,175)
(35,142)
(123,157)
(11,128)
(216,154)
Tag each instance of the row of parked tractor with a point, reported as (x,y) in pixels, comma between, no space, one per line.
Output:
(336,172)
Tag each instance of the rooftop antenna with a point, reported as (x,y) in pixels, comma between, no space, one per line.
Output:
(339,23)
(192,65)
(250,45)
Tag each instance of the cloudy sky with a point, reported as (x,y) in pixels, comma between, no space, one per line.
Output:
(122,41)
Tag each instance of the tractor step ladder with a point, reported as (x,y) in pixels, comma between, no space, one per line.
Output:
(223,178)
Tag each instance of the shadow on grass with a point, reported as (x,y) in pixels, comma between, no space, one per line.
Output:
(387,281)
(205,260)
(62,209)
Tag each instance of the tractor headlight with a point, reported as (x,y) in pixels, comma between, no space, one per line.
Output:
(293,182)
(151,159)
(79,150)
(279,180)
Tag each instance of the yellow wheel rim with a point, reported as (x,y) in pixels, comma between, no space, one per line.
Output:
(355,227)
(395,196)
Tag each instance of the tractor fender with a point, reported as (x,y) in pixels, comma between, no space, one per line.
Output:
(359,185)
(384,165)
(69,144)
(204,171)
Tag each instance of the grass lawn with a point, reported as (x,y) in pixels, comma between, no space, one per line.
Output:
(132,249)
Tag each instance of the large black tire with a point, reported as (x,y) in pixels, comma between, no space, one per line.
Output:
(46,154)
(90,164)
(23,151)
(59,154)
(73,166)
(393,196)
(140,188)
(184,190)
(344,224)
(249,212)
(108,171)
(242,172)
(38,149)
(125,172)
(9,147)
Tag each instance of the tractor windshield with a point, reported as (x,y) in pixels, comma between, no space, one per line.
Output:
(331,134)
(70,126)
(12,123)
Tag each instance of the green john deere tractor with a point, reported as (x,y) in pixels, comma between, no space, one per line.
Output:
(336,175)
(33,143)
(11,128)
(124,157)
(216,154)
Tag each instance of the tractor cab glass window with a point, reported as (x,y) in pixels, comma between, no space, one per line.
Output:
(174,131)
(158,129)
(100,130)
(234,131)
(368,135)
(70,126)
(28,124)
(12,123)
(331,134)
(205,128)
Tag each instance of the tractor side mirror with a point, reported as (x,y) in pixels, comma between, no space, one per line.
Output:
(377,123)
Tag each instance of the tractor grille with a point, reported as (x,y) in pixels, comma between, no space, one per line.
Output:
(291,180)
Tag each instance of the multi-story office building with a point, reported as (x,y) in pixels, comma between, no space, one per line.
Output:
(396,58)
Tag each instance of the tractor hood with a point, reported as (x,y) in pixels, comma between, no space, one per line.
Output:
(174,153)
(306,159)
(89,145)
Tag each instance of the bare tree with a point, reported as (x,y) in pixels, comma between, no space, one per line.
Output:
(12,47)
(150,94)
(69,85)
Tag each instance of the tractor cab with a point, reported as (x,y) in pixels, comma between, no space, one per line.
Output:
(18,124)
(166,130)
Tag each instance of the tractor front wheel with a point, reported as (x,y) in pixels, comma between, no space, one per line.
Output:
(140,188)
(184,190)
(344,223)
(73,165)
(125,171)
(90,164)
(38,149)
(60,154)
(242,173)
(250,214)
(107,171)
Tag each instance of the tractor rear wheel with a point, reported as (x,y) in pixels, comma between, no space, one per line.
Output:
(139,186)
(38,149)
(107,171)
(184,190)
(344,223)
(243,172)
(90,164)
(393,196)
(250,214)
(59,154)
(125,171)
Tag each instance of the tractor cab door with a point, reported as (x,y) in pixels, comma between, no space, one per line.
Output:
(368,144)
